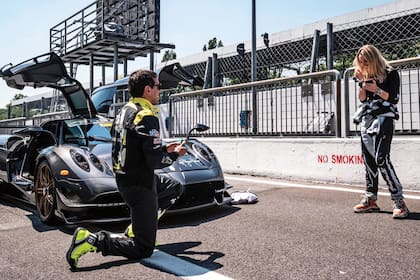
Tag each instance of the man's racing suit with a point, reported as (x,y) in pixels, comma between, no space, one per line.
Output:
(136,152)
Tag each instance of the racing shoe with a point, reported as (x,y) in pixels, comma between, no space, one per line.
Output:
(82,243)
(400,209)
(366,205)
(129,231)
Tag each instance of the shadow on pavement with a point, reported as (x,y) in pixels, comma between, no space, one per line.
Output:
(412,215)
(33,216)
(197,218)
(105,265)
(167,221)
(183,250)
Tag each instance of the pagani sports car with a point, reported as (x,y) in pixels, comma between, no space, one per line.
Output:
(64,166)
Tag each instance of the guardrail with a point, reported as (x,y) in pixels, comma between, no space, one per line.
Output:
(408,105)
(303,105)
(8,126)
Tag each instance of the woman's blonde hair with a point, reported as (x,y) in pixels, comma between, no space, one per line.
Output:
(378,65)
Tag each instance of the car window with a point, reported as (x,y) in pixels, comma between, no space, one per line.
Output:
(74,135)
(99,133)
(78,99)
(102,99)
(52,127)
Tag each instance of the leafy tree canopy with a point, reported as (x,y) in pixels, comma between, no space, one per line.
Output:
(19,96)
(168,55)
(212,44)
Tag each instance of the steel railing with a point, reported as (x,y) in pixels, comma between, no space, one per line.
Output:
(408,105)
(303,105)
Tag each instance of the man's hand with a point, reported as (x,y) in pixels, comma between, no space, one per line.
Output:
(180,149)
(176,147)
(170,147)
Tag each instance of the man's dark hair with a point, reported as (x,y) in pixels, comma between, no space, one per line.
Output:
(138,80)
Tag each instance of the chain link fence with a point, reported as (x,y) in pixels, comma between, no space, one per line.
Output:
(397,35)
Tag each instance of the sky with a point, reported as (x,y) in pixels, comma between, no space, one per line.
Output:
(188,24)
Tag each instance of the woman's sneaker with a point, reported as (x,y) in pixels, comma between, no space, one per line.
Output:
(400,209)
(366,205)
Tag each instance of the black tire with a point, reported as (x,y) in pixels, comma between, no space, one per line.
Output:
(45,193)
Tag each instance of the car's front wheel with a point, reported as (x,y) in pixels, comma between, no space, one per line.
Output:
(45,193)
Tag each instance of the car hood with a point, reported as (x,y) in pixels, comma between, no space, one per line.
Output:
(48,70)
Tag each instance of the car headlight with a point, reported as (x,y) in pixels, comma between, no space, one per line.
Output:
(108,170)
(203,151)
(96,162)
(80,160)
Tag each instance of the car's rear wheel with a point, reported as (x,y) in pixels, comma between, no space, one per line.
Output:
(45,193)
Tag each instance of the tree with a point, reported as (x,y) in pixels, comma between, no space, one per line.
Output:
(16,110)
(18,96)
(3,114)
(212,44)
(343,61)
(168,55)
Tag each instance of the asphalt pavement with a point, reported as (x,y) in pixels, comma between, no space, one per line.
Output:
(296,231)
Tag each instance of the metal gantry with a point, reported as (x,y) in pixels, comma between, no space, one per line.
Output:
(108,33)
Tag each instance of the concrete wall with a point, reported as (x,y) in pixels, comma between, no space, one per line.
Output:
(324,160)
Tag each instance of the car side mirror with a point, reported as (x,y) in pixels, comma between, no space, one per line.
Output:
(199,127)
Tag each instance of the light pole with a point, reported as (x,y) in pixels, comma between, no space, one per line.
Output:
(254,70)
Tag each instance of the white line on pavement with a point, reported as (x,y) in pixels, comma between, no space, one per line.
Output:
(181,268)
(318,187)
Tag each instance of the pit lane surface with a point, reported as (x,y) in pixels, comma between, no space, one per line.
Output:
(293,232)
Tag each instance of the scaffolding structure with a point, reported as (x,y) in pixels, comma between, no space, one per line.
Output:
(108,33)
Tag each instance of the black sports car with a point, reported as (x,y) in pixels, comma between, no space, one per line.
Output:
(64,167)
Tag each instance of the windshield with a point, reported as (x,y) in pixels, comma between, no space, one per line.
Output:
(84,132)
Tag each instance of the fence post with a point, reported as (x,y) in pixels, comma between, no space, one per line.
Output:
(346,101)
(254,71)
(338,105)
(170,117)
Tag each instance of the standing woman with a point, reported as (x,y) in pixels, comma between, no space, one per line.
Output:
(379,93)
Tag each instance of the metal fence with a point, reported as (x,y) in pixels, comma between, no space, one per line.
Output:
(8,126)
(408,105)
(397,35)
(304,105)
